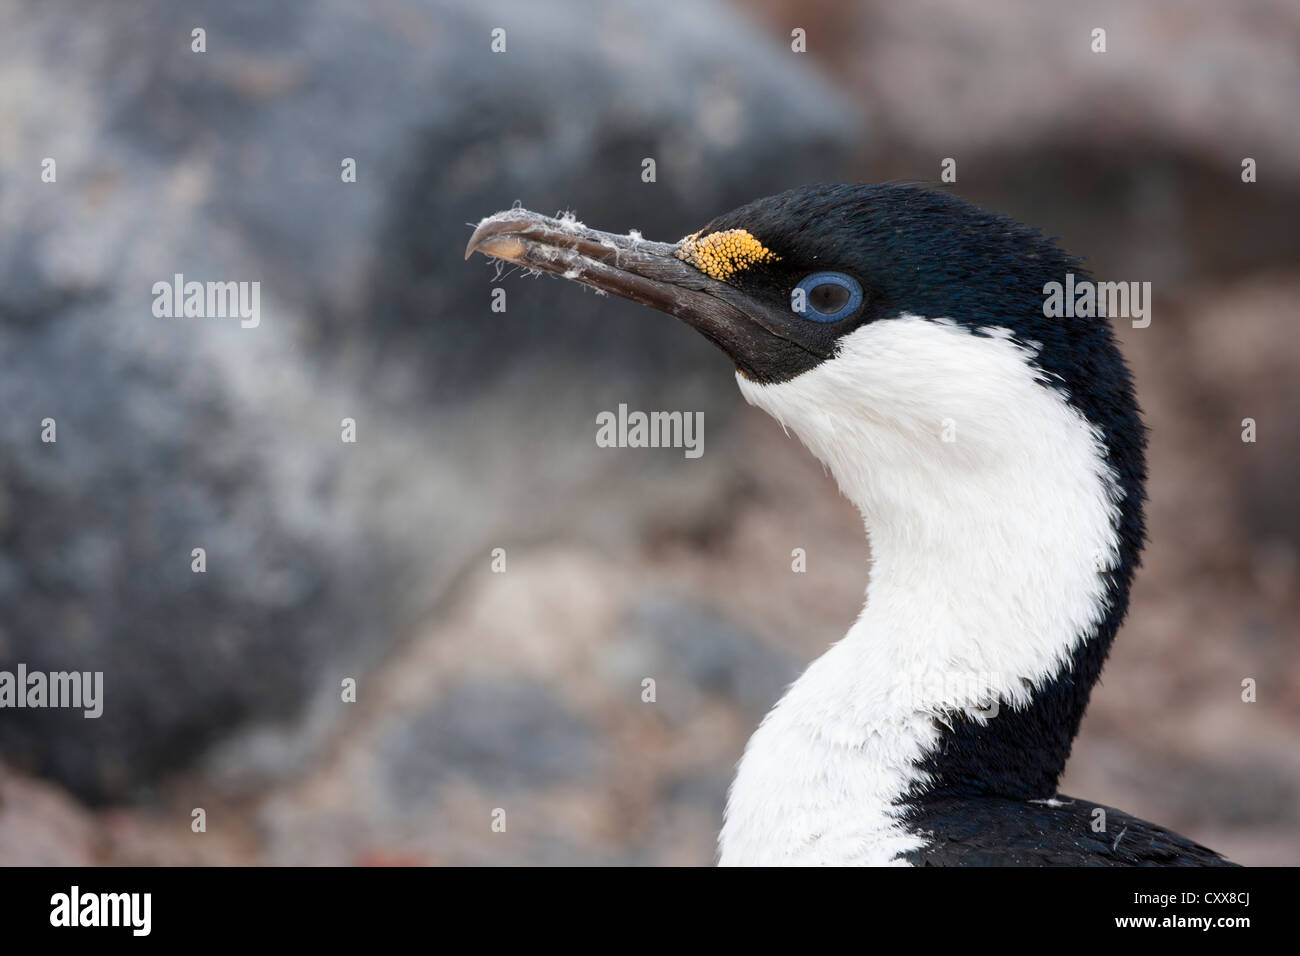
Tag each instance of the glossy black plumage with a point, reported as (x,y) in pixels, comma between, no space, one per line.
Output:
(996,831)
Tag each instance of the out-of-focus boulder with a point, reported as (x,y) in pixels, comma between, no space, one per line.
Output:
(474,428)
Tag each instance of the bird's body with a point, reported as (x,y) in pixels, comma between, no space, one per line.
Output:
(996,455)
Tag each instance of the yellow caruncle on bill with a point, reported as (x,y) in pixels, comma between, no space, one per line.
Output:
(720,255)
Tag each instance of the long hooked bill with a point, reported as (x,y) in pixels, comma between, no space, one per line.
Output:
(646,272)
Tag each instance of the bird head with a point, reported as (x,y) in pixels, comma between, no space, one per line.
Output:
(906,301)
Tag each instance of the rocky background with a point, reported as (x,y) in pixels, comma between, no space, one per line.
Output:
(522,690)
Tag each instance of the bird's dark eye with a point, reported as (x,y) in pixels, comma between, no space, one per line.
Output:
(826,296)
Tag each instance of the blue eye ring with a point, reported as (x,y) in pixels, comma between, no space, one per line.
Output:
(810,282)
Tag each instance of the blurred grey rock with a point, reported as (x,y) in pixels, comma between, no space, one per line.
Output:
(474,428)
(502,735)
(690,651)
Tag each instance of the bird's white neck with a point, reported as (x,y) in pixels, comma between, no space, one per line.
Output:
(991,514)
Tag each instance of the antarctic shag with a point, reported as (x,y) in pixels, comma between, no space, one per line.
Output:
(997,457)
